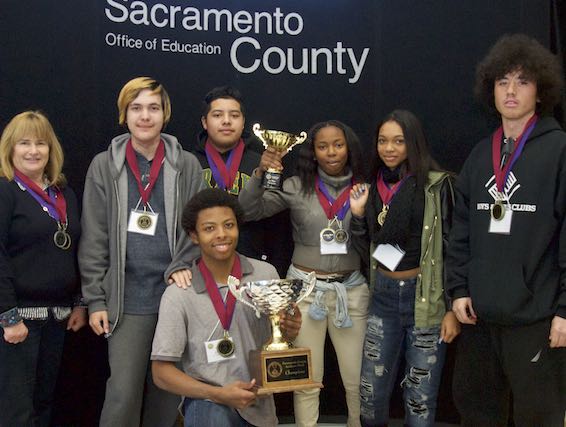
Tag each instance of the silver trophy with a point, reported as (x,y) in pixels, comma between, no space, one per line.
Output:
(277,368)
(270,297)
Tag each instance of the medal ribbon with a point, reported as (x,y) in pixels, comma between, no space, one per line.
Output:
(224,311)
(387,193)
(54,200)
(145,193)
(224,173)
(501,175)
(333,207)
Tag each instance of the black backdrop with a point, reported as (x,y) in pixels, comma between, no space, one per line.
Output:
(421,56)
(57,56)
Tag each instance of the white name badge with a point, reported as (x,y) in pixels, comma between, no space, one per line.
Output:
(389,255)
(212,354)
(332,247)
(502,226)
(143,222)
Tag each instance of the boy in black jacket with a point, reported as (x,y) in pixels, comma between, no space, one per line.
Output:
(228,156)
(507,251)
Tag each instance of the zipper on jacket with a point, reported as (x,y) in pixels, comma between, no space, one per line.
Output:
(119,258)
(175,214)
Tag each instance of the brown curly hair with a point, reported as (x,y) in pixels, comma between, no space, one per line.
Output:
(520,52)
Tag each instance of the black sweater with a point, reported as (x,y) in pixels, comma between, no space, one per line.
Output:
(519,278)
(33,271)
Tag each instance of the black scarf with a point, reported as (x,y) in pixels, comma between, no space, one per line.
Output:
(397,225)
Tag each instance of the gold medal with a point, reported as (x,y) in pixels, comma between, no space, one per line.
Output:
(341,236)
(382,215)
(225,346)
(144,222)
(498,210)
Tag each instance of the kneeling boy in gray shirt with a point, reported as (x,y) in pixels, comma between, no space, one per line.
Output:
(193,322)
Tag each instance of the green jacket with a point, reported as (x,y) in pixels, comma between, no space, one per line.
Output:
(430,304)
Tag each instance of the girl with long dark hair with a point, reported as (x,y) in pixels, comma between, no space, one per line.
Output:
(403,222)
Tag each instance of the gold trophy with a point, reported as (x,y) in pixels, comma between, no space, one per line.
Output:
(281,141)
(277,368)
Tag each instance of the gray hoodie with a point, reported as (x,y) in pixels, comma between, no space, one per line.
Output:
(102,250)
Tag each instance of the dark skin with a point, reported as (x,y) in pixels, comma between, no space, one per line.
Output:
(290,323)
(217,236)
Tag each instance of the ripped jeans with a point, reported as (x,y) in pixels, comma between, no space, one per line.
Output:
(391,335)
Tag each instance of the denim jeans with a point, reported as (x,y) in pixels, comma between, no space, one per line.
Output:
(28,374)
(391,334)
(204,413)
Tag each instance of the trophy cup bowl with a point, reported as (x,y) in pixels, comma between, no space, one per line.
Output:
(277,367)
(280,141)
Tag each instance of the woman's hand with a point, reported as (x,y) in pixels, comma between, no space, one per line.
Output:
(270,159)
(450,327)
(78,319)
(16,333)
(358,199)
(290,324)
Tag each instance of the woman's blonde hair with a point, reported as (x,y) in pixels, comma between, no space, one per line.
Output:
(31,123)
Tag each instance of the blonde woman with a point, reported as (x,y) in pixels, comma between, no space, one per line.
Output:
(39,280)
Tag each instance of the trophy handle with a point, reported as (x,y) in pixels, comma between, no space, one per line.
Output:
(239,291)
(300,139)
(256,128)
(311,283)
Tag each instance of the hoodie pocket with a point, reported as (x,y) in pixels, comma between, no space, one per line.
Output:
(499,293)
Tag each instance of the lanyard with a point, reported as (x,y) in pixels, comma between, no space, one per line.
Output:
(387,193)
(224,173)
(53,201)
(145,193)
(501,174)
(333,208)
(225,311)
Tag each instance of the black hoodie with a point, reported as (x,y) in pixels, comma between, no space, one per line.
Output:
(519,278)
(268,239)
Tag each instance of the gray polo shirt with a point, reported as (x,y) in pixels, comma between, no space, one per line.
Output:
(187,319)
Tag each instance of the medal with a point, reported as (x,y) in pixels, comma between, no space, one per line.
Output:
(327,235)
(341,236)
(144,222)
(225,346)
(52,201)
(224,310)
(498,210)
(386,194)
(382,215)
(335,210)
(62,239)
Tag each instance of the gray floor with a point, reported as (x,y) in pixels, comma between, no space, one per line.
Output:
(341,422)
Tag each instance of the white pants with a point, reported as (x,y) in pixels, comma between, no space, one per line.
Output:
(348,344)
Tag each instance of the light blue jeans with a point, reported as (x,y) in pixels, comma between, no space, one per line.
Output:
(204,413)
(391,335)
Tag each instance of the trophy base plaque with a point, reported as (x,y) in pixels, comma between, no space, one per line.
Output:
(272,180)
(282,371)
